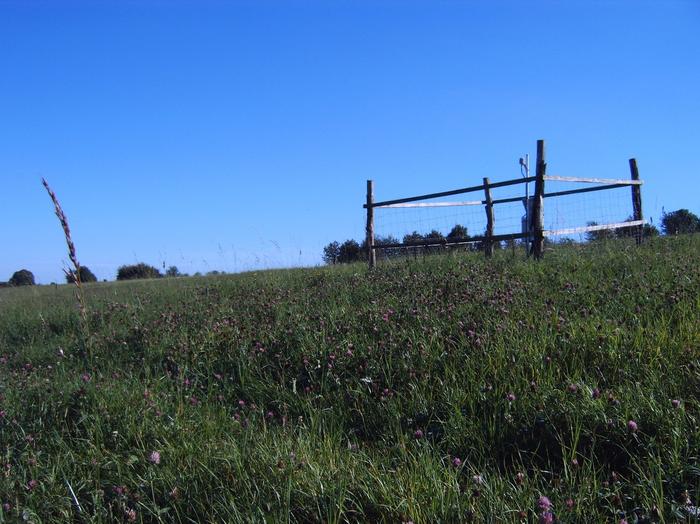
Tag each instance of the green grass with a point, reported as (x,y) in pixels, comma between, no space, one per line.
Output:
(336,394)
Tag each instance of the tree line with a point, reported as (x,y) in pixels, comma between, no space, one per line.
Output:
(353,251)
(674,223)
(24,277)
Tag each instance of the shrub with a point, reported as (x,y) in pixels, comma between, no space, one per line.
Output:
(23,277)
(679,222)
(85,276)
(331,253)
(349,252)
(135,271)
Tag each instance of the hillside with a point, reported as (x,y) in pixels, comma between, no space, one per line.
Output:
(447,388)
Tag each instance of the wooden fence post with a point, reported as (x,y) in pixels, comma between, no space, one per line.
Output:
(538,203)
(488,244)
(371,256)
(636,200)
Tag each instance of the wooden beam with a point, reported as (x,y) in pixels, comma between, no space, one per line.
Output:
(453,192)
(583,190)
(431,204)
(371,255)
(636,199)
(451,242)
(538,203)
(593,180)
(488,245)
(597,227)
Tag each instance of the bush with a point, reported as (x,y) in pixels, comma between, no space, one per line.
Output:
(23,277)
(331,253)
(85,276)
(349,251)
(679,222)
(139,270)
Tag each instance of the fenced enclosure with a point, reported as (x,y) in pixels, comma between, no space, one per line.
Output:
(560,206)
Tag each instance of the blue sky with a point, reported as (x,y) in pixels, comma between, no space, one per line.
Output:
(239,135)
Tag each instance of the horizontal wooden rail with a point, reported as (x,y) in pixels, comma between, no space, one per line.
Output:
(445,242)
(597,227)
(453,192)
(583,190)
(433,204)
(594,180)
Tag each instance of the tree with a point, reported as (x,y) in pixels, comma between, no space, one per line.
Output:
(135,271)
(413,237)
(173,271)
(349,251)
(435,236)
(601,234)
(679,222)
(331,253)
(23,277)
(649,230)
(458,232)
(389,252)
(85,276)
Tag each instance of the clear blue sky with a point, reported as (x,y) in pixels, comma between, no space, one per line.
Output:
(239,135)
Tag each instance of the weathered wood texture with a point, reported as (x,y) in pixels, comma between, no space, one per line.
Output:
(636,199)
(371,254)
(537,208)
(488,245)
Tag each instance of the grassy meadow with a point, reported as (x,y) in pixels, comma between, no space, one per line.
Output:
(437,389)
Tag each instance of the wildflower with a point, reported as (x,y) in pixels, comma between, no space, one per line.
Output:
(6,507)
(573,388)
(478,479)
(85,377)
(519,477)
(456,462)
(32,484)
(130,515)
(570,504)
(544,503)
(154,458)
(676,403)
(632,426)
(510,397)
(546,517)
(595,394)
(418,434)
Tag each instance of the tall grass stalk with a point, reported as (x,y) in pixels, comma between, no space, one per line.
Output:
(73,274)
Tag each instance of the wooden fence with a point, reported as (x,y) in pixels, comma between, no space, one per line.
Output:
(536,232)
